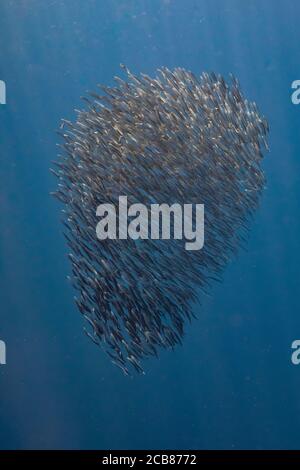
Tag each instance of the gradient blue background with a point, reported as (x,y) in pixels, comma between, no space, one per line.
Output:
(232,384)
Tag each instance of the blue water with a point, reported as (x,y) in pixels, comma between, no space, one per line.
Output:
(232,384)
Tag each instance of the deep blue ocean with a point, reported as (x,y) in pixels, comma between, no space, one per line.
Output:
(232,384)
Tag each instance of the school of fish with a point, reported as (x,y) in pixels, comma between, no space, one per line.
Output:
(175,138)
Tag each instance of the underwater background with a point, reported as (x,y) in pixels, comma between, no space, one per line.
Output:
(232,384)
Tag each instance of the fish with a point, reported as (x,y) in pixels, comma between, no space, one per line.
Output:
(175,138)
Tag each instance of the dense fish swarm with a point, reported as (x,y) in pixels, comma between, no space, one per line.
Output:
(173,138)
